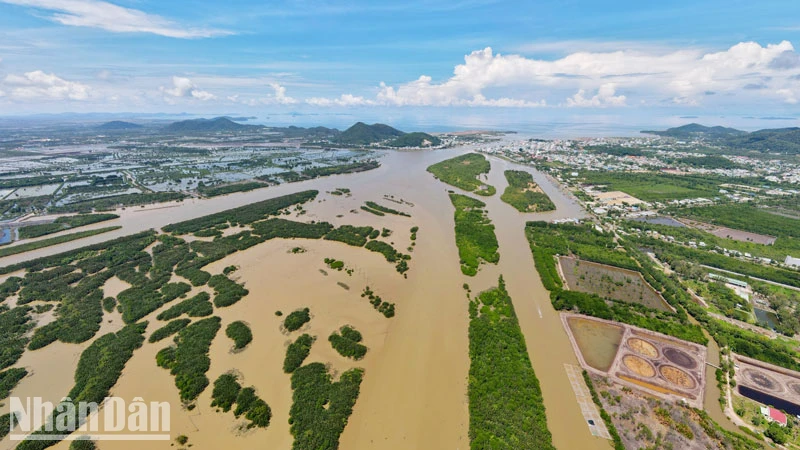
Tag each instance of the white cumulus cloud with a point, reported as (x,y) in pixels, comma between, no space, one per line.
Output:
(278,97)
(185,88)
(342,100)
(41,85)
(594,79)
(111,17)
(604,97)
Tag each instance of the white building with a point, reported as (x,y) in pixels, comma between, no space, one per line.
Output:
(794,262)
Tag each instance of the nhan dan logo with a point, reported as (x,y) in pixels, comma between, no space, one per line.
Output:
(114,419)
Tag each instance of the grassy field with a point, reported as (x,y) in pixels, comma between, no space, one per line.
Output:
(463,171)
(475,236)
(610,282)
(524,194)
(653,187)
(744,217)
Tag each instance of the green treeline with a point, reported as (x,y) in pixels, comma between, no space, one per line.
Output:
(385,210)
(244,215)
(230,188)
(297,352)
(320,407)
(372,211)
(168,330)
(197,306)
(116,201)
(347,342)
(463,171)
(506,409)
(475,236)
(390,254)
(188,360)
(240,334)
(63,223)
(523,193)
(385,308)
(21,248)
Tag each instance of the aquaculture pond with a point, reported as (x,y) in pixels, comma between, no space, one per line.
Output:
(597,341)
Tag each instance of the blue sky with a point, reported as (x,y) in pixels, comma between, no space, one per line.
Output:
(436,63)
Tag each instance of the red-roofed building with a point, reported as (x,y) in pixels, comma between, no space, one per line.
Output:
(777,416)
(773,415)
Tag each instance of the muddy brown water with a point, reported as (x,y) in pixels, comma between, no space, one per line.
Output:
(414,393)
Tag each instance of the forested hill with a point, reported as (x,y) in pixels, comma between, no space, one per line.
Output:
(363,134)
(777,140)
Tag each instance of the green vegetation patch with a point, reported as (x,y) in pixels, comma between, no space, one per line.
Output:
(197,306)
(9,380)
(188,360)
(475,236)
(297,352)
(287,229)
(228,392)
(99,368)
(226,291)
(347,342)
(14,327)
(506,409)
(745,217)
(350,235)
(240,333)
(320,407)
(297,319)
(654,187)
(463,171)
(63,223)
(524,194)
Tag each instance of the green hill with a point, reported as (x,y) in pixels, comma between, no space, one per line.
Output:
(118,125)
(695,130)
(206,126)
(777,140)
(415,139)
(363,134)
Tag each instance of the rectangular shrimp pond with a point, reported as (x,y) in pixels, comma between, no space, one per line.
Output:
(660,365)
(610,282)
